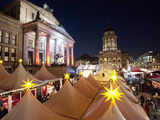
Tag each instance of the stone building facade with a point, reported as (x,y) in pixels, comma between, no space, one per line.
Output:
(110,53)
(150,60)
(10,40)
(39,36)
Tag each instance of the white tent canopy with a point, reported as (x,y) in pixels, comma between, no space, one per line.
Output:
(15,80)
(3,73)
(29,108)
(84,87)
(44,74)
(68,102)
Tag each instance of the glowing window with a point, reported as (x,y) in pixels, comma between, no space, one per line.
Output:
(13,41)
(6,38)
(30,44)
(0,35)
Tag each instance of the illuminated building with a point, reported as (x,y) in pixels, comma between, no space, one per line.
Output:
(150,59)
(10,40)
(86,59)
(36,35)
(110,53)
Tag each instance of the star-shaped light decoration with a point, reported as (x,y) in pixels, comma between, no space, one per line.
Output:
(66,76)
(1,61)
(81,73)
(112,94)
(20,60)
(42,62)
(28,84)
(114,76)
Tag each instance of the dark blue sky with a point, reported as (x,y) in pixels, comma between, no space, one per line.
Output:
(86,20)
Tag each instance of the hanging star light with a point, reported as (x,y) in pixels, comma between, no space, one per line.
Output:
(114,76)
(81,73)
(66,76)
(42,62)
(1,61)
(28,84)
(112,94)
(20,60)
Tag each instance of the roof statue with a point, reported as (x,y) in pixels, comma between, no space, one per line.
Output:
(29,108)
(38,16)
(15,80)
(46,7)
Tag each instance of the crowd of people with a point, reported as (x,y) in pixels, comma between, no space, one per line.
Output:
(148,96)
(150,105)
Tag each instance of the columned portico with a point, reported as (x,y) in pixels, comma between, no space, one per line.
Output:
(49,45)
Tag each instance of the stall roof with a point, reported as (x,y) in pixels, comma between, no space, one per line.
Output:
(84,87)
(68,102)
(29,108)
(16,79)
(44,74)
(3,73)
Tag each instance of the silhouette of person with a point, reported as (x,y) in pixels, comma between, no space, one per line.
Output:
(38,16)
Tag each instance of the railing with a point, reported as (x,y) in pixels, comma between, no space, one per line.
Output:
(5,93)
(21,89)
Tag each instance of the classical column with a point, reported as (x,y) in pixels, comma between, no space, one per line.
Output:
(72,54)
(9,102)
(48,51)
(36,60)
(55,47)
(68,57)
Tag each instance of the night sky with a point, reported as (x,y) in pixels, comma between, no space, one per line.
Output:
(85,21)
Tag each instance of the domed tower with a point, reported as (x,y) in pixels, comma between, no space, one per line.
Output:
(109,39)
(110,53)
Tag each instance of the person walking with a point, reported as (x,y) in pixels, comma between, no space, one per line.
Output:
(142,100)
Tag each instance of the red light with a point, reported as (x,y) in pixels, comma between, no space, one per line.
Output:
(44,90)
(37,58)
(48,59)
